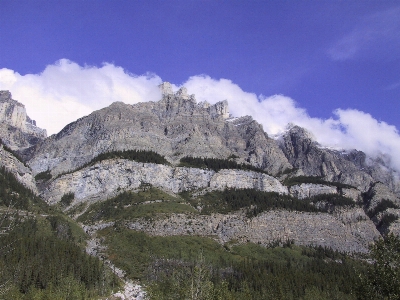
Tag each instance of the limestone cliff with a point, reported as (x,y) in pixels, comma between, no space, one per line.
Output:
(349,167)
(174,127)
(17,130)
(346,230)
(108,178)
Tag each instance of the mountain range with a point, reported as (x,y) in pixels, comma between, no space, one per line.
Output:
(210,175)
(177,127)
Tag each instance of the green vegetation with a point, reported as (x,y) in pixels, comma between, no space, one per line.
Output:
(41,252)
(129,205)
(386,220)
(290,181)
(142,156)
(45,176)
(175,267)
(382,279)
(42,255)
(332,200)
(256,201)
(381,207)
(15,154)
(216,164)
(14,194)
(286,171)
(67,199)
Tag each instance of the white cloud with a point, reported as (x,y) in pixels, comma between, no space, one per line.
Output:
(66,91)
(373,33)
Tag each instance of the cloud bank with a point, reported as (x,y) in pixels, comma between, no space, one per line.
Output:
(65,91)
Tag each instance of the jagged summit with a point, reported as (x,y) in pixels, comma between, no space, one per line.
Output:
(166,89)
(175,126)
(181,102)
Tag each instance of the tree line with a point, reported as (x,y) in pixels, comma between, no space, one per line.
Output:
(230,200)
(216,164)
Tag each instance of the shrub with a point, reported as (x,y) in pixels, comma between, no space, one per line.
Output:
(216,164)
(67,199)
(46,175)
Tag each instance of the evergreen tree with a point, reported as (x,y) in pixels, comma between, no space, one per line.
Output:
(382,281)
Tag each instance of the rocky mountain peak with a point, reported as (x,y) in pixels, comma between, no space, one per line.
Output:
(16,128)
(166,89)
(5,96)
(299,133)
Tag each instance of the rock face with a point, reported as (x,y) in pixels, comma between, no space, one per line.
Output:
(307,190)
(18,169)
(178,126)
(17,130)
(174,127)
(110,177)
(379,192)
(347,230)
(353,168)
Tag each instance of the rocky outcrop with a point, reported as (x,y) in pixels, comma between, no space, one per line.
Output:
(347,230)
(349,167)
(307,190)
(17,130)
(110,177)
(174,127)
(18,169)
(377,193)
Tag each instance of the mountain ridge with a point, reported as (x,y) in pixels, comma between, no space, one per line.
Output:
(177,126)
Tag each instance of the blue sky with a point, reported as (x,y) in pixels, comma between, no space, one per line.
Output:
(324,55)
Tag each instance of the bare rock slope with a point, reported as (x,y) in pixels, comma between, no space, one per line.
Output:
(174,127)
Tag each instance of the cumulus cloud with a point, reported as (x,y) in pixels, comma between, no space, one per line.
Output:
(374,32)
(66,91)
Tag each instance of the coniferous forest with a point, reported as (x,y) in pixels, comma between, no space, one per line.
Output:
(42,252)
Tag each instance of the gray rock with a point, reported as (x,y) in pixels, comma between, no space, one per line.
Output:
(348,167)
(17,130)
(110,177)
(347,230)
(18,169)
(306,190)
(174,127)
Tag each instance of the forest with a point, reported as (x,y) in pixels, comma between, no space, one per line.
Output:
(216,164)
(255,202)
(42,252)
(178,267)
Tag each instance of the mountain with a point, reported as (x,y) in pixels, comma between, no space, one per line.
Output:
(178,168)
(17,130)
